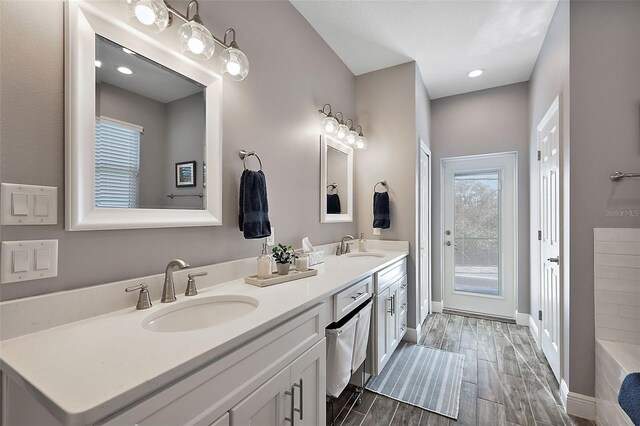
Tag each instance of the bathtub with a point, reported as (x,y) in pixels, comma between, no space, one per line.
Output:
(614,360)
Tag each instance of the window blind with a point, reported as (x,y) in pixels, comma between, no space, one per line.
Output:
(117,163)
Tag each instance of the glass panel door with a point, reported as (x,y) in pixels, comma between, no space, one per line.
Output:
(477,232)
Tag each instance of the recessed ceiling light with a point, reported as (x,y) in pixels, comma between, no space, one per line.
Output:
(98,64)
(124,70)
(475,73)
(127,51)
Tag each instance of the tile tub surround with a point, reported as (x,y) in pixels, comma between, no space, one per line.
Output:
(58,365)
(617,284)
(617,317)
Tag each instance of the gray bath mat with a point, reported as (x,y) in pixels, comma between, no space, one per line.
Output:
(425,377)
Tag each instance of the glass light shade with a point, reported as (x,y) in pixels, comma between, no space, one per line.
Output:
(196,41)
(361,142)
(149,15)
(351,137)
(235,65)
(342,131)
(329,124)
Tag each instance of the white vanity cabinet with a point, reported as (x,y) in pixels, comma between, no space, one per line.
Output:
(390,319)
(296,392)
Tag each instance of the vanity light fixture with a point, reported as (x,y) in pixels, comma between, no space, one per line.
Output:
(196,41)
(352,135)
(329,123)
(342,130)
(125,70)
(475,73)
(235,64)
(361,141)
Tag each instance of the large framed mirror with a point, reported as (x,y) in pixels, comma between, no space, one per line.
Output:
(336,181)
(143,128)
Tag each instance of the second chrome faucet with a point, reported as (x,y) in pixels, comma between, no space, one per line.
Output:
(169,289)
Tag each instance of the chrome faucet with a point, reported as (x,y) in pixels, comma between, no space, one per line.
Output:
(169,289)
(344,247)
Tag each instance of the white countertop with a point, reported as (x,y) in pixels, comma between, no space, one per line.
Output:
(86,370)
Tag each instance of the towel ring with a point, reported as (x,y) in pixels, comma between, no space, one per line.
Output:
(383,183)
(245,154)
(333,186)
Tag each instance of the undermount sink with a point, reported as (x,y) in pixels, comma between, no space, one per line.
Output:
(365,254)
(200,313)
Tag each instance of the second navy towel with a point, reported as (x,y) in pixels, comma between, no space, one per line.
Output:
(253,211)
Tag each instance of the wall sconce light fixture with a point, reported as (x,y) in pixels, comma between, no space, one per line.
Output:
(196,41)
(341,129)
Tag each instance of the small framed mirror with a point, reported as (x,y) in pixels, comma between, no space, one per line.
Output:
(336,181)
(144,143)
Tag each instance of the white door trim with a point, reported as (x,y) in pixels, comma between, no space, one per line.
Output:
(513,227)
(422,312)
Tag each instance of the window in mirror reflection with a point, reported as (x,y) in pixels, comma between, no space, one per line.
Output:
(337,178)
(148,119)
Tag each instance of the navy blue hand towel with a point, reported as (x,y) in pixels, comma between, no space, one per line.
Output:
(333,204)
(381,218)
(629,397)
(253,212)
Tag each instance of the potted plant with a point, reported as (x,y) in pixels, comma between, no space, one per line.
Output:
(283,255)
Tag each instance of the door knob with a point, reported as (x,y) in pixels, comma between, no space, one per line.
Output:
(554,259)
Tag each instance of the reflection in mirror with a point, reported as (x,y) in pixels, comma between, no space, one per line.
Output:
(337,178)
(150,133)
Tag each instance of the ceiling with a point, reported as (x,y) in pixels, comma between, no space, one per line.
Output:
(149,79)
(447,38)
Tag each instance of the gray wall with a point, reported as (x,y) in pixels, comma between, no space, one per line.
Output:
(483,122)
(605,136)
(273,111)
(386,108)
(115,102)
(185,126)
(550,78)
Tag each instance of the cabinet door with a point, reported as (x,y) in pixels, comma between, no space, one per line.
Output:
(383,306)
(393,322)
(222,421)
(268,405)
(308,379)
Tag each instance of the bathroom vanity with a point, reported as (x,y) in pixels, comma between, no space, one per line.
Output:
(108,365)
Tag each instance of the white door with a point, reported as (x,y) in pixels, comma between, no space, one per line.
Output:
(268,405)
(550,288)
(479,234)
(308,376)
(424,289)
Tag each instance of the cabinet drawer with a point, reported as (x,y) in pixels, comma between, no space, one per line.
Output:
(351,297)
(390,274)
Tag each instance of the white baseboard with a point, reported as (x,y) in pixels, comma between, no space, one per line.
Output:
(533,327)
(436,307)
(577,404)
(522,319)
(412,335)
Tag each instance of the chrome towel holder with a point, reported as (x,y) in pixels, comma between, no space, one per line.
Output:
(618,176)
(333,186)
(245,154)
(383,183)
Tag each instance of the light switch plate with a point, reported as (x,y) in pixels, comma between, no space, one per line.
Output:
(271,239)
(376,231)
(41,204)
(39,254)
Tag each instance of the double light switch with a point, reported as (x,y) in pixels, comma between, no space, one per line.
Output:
(28,260)
(29,204)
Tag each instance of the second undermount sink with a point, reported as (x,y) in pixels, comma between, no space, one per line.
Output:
(200,313)
(365,254)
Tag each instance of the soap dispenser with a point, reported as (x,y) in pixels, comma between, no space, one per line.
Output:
(362,244)
(264,264)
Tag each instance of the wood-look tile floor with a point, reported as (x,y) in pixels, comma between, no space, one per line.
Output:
(507,381)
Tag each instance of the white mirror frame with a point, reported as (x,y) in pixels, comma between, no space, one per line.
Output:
(326,142)
(83,21)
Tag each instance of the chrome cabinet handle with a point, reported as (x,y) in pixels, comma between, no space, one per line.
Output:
(301,409)
(292,418)
(358,295)
(554,259)
(390,299)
